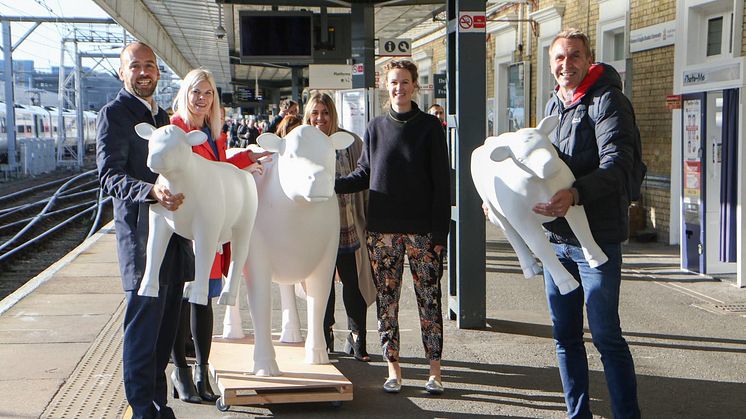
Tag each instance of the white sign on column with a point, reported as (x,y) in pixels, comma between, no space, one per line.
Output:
(330,76)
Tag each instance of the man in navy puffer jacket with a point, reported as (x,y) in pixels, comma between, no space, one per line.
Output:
(596,138)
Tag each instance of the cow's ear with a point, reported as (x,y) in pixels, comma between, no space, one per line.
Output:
(548,124)
(144,130)
(196,137)
(271,142)
(500,153)
(341,140)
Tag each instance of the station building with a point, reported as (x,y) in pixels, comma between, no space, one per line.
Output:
(681,62)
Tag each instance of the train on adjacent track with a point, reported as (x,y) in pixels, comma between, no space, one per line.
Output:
(43,123)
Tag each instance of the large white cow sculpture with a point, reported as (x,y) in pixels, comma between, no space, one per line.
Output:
(296,236)
(512,173)
(220,205)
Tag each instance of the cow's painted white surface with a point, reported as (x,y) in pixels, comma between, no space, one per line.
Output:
(295,239)
(220,205)
(512,173)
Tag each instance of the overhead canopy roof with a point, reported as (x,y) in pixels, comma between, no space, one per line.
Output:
(182,32)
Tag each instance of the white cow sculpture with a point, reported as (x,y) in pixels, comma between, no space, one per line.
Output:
(220,205)
(512,173)
(296,236)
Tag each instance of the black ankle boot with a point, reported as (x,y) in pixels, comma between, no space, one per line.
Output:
(202,381)
(356,347)
(184,389)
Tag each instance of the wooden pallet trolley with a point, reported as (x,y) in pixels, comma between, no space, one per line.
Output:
(232,359)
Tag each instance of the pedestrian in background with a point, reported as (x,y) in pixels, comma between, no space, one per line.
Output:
(287,107)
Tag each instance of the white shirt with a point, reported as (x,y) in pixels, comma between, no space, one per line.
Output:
(153,109)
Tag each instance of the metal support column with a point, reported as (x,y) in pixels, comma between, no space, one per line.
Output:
(296,74)
(466,98)
(79,105)
(61,137)
(10,112)
(363,45)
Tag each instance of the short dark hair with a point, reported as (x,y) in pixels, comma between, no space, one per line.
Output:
(573,33)
(287,104)
(403,64)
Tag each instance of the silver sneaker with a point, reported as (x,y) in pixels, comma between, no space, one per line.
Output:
(392,385)
(434,386)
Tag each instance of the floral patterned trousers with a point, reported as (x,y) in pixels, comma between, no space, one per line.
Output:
(387,252)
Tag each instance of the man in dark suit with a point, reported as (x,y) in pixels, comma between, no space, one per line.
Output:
(150,323)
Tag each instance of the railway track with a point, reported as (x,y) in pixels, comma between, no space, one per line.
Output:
(42,220)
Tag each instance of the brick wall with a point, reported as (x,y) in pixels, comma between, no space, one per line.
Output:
(652,81)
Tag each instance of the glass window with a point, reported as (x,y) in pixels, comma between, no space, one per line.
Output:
(618,46)
(714,36)
(516,99)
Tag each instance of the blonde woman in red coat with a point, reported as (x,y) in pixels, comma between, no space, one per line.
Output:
(197,107)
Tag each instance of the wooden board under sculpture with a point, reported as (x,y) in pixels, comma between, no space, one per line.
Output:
(231,363)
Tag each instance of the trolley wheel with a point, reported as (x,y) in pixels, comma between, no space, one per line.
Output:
(221,406)
(337,403)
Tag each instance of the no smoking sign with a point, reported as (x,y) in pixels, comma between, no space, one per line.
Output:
(472,22)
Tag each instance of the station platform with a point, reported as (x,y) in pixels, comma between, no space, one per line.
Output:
(60,347)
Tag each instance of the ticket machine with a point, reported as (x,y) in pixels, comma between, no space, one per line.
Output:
(702,145)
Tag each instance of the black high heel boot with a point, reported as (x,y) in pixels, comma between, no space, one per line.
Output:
(184,389)
(357,348)
(202,381)
(329,337)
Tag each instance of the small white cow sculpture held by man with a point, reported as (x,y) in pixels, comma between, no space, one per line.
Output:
(512,173)
(296,236)
(220,206)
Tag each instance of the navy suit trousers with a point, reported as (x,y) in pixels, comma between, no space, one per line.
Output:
(150,326)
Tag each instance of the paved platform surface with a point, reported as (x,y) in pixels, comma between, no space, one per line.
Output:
(60,347)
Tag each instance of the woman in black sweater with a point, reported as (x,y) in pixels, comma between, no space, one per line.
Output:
(405,166)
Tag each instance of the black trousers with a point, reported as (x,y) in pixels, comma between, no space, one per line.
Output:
(354,302)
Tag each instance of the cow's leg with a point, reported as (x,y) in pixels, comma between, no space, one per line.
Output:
(526,259)
(204,256)
(159,234)
(579,224)
(240,239)
(239,254)
(318,287)
(232,328)
(290,320)
(537,241)
(258,286)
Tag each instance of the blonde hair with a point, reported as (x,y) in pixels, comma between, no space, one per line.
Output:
(573,33)
(181,102)
(317,98)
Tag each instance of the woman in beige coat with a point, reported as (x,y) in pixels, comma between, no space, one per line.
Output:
(353,265)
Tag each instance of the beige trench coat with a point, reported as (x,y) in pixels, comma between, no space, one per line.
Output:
(360,204)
